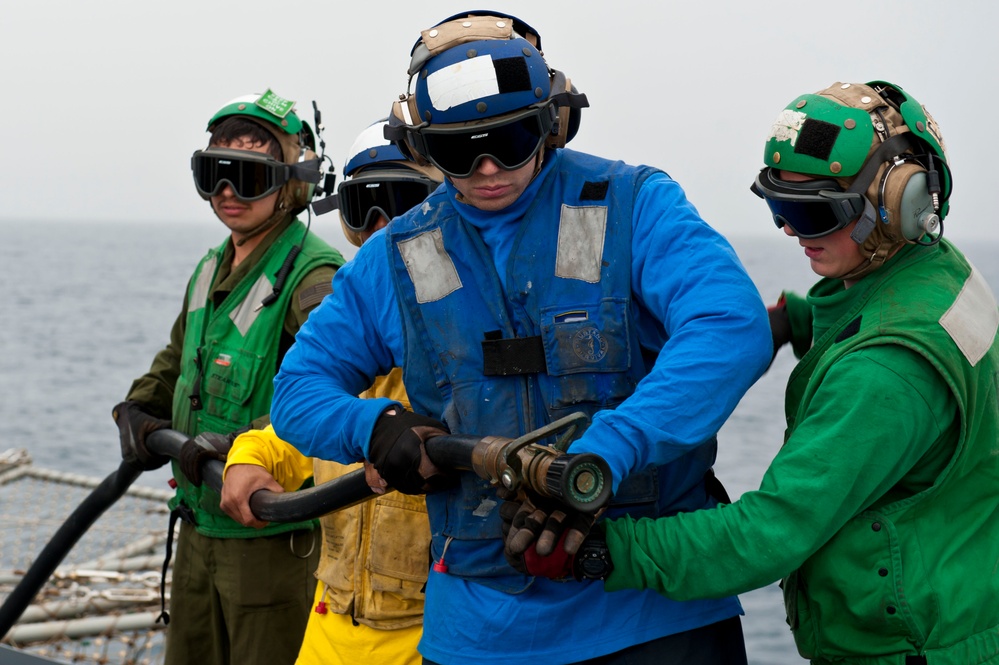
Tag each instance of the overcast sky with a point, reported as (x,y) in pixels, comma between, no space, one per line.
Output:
(106,100)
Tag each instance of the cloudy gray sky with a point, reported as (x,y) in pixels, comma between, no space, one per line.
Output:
(106,100)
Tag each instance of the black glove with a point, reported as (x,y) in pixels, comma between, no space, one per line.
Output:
(541,535)
(134,425)
(780,325)
(396,449)
(205,446)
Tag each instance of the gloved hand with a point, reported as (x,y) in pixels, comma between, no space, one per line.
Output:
(780,325)
(541,536)
(134,425)
(397,451)
(205,446)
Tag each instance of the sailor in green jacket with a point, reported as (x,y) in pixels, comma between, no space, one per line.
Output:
(879,512)
(238,594)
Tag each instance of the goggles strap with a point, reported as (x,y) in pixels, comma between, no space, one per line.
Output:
(307,171)
(326,204)
(865,225)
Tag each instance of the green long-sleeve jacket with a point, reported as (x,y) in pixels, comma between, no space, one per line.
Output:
(880,510)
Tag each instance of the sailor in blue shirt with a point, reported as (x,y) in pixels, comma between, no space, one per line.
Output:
(536,282)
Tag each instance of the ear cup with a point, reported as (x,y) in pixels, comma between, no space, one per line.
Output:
(568,117)
(907,202)
(401,116)
(304,191)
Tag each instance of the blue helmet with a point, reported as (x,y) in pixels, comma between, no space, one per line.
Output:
(475,76)
(481,79)
(380,182)
(371,148)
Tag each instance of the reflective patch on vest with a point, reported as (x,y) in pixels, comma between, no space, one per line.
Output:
(973,319)
(247,311)
(430,268)
(202,285)
(485,507)
(580,251)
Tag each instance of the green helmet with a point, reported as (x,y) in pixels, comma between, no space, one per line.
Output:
(832,133)
(876,140)
(295,138)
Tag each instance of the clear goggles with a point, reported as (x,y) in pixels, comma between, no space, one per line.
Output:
(812,208)
(362,199)
(512,143)
(252,175)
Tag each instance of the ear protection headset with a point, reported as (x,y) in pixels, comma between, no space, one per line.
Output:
(911,193)
(905,201)
(306,168)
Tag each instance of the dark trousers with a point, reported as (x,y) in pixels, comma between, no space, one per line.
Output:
(716,644)
(240,600)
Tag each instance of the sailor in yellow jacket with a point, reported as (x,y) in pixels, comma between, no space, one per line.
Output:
(375,556)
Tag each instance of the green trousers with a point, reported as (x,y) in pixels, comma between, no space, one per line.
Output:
(241,601)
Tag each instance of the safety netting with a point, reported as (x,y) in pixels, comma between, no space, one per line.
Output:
(101,604)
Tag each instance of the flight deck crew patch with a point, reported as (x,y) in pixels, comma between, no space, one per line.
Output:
(973,319)
(429,266)
(580,251)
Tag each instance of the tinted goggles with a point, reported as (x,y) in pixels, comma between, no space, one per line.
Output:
(362,199)
(252,175)
(457,151)
(812,208)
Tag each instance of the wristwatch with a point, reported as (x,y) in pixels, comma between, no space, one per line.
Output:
(593,561)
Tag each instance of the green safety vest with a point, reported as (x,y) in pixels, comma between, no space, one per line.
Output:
(236,347)
(915,576)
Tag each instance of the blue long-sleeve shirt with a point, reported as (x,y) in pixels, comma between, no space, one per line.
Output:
(683,272)
(697,303)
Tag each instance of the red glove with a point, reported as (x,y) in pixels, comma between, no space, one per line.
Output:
(556,566)
(542,535)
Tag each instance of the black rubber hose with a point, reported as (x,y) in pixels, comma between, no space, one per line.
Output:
(453,451)
(97,502)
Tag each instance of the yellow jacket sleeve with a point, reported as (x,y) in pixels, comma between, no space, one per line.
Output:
(282,460)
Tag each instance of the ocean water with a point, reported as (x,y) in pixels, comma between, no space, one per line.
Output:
(86,306)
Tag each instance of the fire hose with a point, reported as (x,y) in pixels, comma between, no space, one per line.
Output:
(580,481)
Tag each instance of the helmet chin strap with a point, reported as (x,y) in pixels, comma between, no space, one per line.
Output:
(875,239)
(881,253)
(280,213)
(869,232)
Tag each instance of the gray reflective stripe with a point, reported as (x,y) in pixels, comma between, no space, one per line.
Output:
(973,319)
(202,285)
(430,268)
(581,233)
(247,311)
